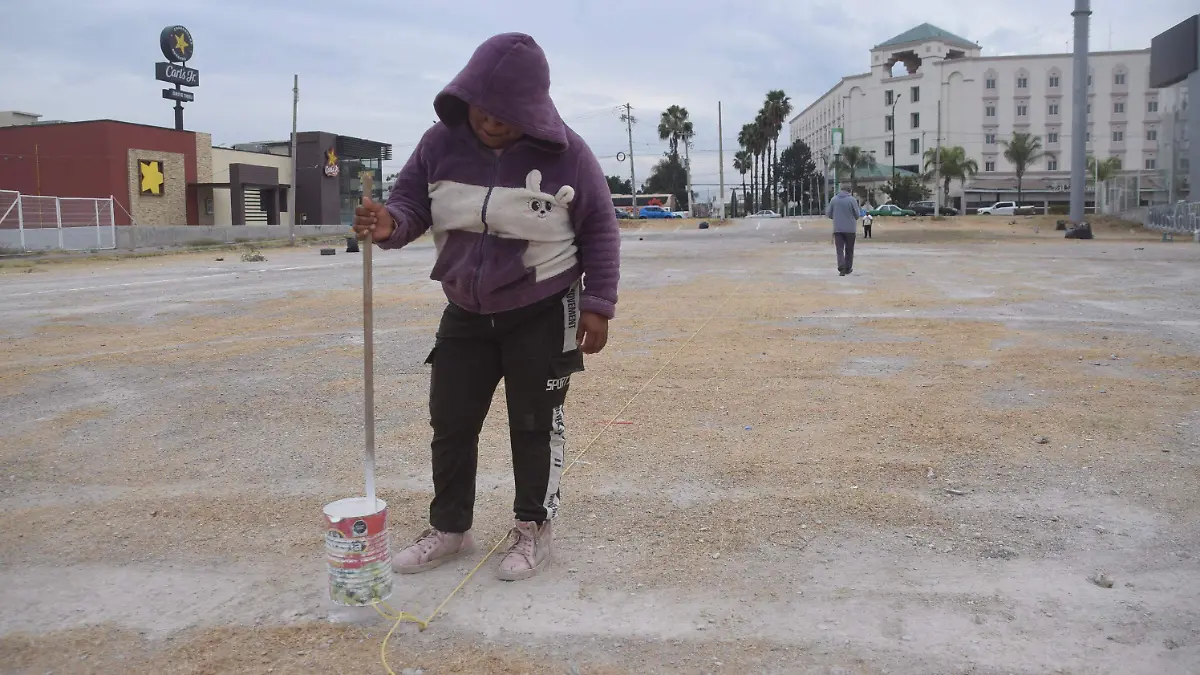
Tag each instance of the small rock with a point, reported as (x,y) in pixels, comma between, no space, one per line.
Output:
(957,493)
(1101,579)
(1042,440)
(716,555)
(1000,553)
(412,671)
(154,514)
(1170,644)
(930,473)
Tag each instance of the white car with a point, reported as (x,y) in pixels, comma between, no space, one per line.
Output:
(998,209)
(766,213)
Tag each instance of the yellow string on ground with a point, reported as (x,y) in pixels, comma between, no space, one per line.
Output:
(422,624)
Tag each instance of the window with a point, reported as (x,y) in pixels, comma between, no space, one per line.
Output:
(990,111)
(1087,137)
(1052,137)
(1089,109)
(1022,83)
(1152,106)
(989,166)
(1053,81)
(888,97)
(914,146)
(915,94)
(1051,163)
(1053,109)
(1022,110)
(1152,134)
(1119,163)
(991,83)
(888,123)
(1089,79)
(888,149)
(916,120)
(1151,163)
(1118,137)
(989,139)
(1119,79)
(1119,108)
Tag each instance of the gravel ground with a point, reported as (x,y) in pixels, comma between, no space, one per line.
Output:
(977,454)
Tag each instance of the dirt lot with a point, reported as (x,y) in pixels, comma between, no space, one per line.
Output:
(924,467)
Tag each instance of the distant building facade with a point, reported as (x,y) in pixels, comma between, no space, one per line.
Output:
(984,100)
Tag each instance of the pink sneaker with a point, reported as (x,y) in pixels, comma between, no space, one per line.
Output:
(529,553)
(431,549)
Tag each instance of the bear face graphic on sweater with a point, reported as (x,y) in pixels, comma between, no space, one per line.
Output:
(540,219)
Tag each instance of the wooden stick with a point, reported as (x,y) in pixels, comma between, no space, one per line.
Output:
(366,178)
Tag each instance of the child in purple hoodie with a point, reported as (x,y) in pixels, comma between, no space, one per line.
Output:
(528,255)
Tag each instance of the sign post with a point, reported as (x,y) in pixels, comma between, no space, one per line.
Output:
(176,45)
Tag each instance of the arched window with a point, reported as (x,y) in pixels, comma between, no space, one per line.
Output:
(1054,79)
(1022,82)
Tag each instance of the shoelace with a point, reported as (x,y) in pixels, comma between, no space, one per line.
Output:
(523,545)
(428,541)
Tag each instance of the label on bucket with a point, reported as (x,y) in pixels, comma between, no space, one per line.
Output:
(356,551)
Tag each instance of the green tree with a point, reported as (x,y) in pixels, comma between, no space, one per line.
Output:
(795,167)
(850,161)
(1107,169)
(668,177)
(741,164)
(905,190)
(617,185)
(775,112)
(1022,152)
(954,165)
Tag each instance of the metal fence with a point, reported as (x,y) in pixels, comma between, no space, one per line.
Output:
(36,223)
(1178,218)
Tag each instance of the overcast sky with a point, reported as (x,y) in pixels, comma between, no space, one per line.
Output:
(371,68)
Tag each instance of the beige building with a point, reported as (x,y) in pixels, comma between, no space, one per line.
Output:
(892,111)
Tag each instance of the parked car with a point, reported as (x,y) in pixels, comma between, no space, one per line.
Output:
(998,209)
(622,214)
(654,212)
(926,209)
(766,213)
(890,210)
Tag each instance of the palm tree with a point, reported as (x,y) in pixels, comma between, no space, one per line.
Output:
(674,126)
(1023,150)
(954,164)
(746,140)
(762,141)
(850,160)
(777,108)
(1107,168)
(741,164)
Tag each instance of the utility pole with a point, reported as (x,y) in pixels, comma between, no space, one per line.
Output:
(291,205)
(937,164)
(1083,10)
(687,172)
(628,119)
(721,159)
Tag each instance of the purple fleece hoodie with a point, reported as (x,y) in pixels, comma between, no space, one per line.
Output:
(516,226)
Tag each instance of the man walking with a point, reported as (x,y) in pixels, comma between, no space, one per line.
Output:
(843,209)
(867,220)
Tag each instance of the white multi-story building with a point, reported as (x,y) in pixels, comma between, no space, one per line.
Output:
(983,101)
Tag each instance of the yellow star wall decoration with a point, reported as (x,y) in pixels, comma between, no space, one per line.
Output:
(150,177)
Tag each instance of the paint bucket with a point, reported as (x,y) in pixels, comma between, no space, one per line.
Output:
(356,551)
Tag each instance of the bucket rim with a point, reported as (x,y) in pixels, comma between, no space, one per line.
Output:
(352,507)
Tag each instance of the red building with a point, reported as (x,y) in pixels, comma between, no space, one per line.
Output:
(100,159)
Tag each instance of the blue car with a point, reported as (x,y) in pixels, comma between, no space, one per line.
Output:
(655,212)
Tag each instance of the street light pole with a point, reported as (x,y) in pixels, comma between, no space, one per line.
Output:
(894,122)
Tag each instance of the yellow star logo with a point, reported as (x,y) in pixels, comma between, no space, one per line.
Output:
(181,42)
(151,177)
(330,157)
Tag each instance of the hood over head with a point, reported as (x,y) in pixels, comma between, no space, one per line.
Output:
(507,76)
